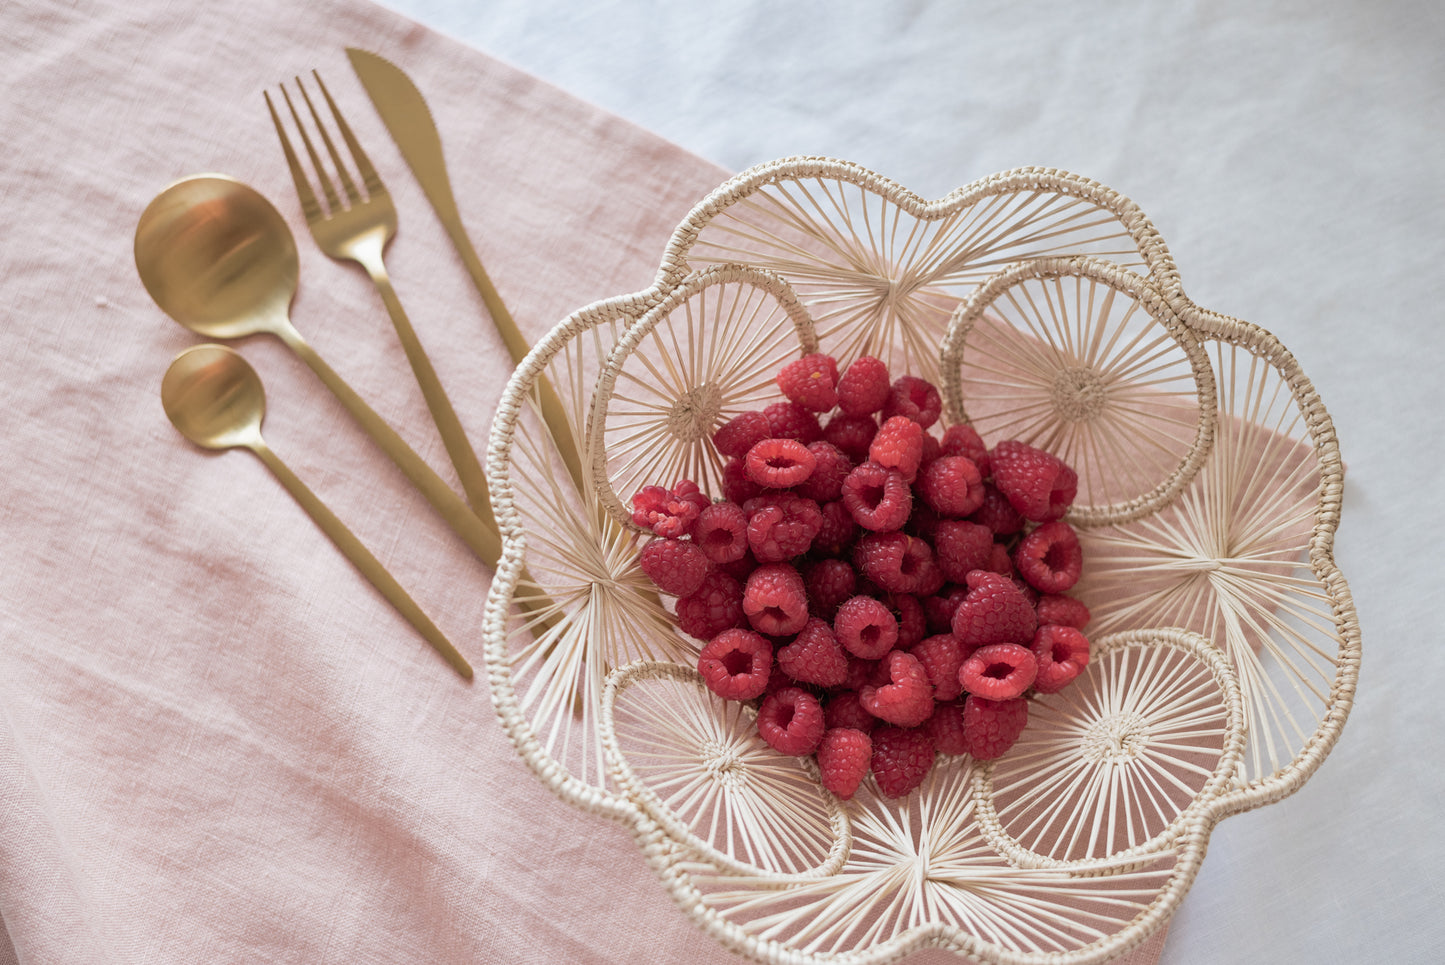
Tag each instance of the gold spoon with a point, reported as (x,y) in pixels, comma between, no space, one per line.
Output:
(213,396)
(219,259)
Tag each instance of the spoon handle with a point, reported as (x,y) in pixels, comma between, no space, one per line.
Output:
(362,559)
(476,525)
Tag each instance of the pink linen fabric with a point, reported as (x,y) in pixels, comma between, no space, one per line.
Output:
(217,742)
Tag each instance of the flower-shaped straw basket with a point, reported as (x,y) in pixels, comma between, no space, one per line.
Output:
(1046,308)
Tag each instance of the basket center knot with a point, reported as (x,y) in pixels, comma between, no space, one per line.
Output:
(1116,739)
(1078,393)
(693,414)
(723,764)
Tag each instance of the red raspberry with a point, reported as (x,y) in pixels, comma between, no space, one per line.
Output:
(740,433)
(1065,611)
(990,727)
(877,497)
(907,699)
(1000,562)
(811,382)
(851,433)
(1038,483)
(863,389)
(941,656)
(687,491)
(814,656)
(837,531)
(1062,654)
(866,627)
(830,467)
(676,566)
(774,600)
(945,728)
(779,463)
(960,547)
(914,398)
(994,611)
(1050,558)
(737,486)
(952,486)
(722,532)
(902,757)
(897,562)
(999,671)
(997,513)
(716,606)
(898,445)
(932,449)
(844,757)
(668,513)
(912,620)
(829,582)
(782,525)
(736,664)
(791,721)
(939,608)
(964,440)
(860,671)
(845,709)
(788,420)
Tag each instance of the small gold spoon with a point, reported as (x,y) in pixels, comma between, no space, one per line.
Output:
(219,259)
(213,396)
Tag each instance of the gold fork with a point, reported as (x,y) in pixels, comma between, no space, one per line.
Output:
(358,229)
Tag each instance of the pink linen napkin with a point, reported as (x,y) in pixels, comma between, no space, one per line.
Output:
(217,742)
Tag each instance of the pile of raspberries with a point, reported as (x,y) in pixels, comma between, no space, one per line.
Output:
(881,593)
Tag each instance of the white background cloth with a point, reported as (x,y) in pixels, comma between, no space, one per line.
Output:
(1290,153)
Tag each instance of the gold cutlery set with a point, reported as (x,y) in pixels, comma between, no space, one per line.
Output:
(219,259)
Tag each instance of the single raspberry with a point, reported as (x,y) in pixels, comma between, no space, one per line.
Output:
(938,609)
(952,486)
(932,449)
(779,679)
(830,467)
(829,582)
(715,606)
(851,433)
(999,671)
(667,513)
(863,389)
(838,529)
(721,532)
(907,699)
(898,445)
(676,566)
(844,757)
(811,382)
(814,656)
(945,728)
(866,627)
(1002,563)
(739,568)
(964,440)
(990,727)
(791,721)
(860,671)
(961,546)
(736,664)
(779,463)
(997,513)
(685,490)
(941,656)
(994,611)
(781,525)
(845,709)
(914,398)
(740,433)
(1037,483)
(902,757)
(774,600)
(737,486)
(1065,611)
(1050,558)
(1062,654)
(897,562)
(877,497)
(788,420)
(912,620)
(922,521)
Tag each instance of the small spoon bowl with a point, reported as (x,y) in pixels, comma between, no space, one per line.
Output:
(214,398)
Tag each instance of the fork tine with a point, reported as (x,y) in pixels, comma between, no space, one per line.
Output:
(310,207)
(333,202)
(347,184)
(369,176)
